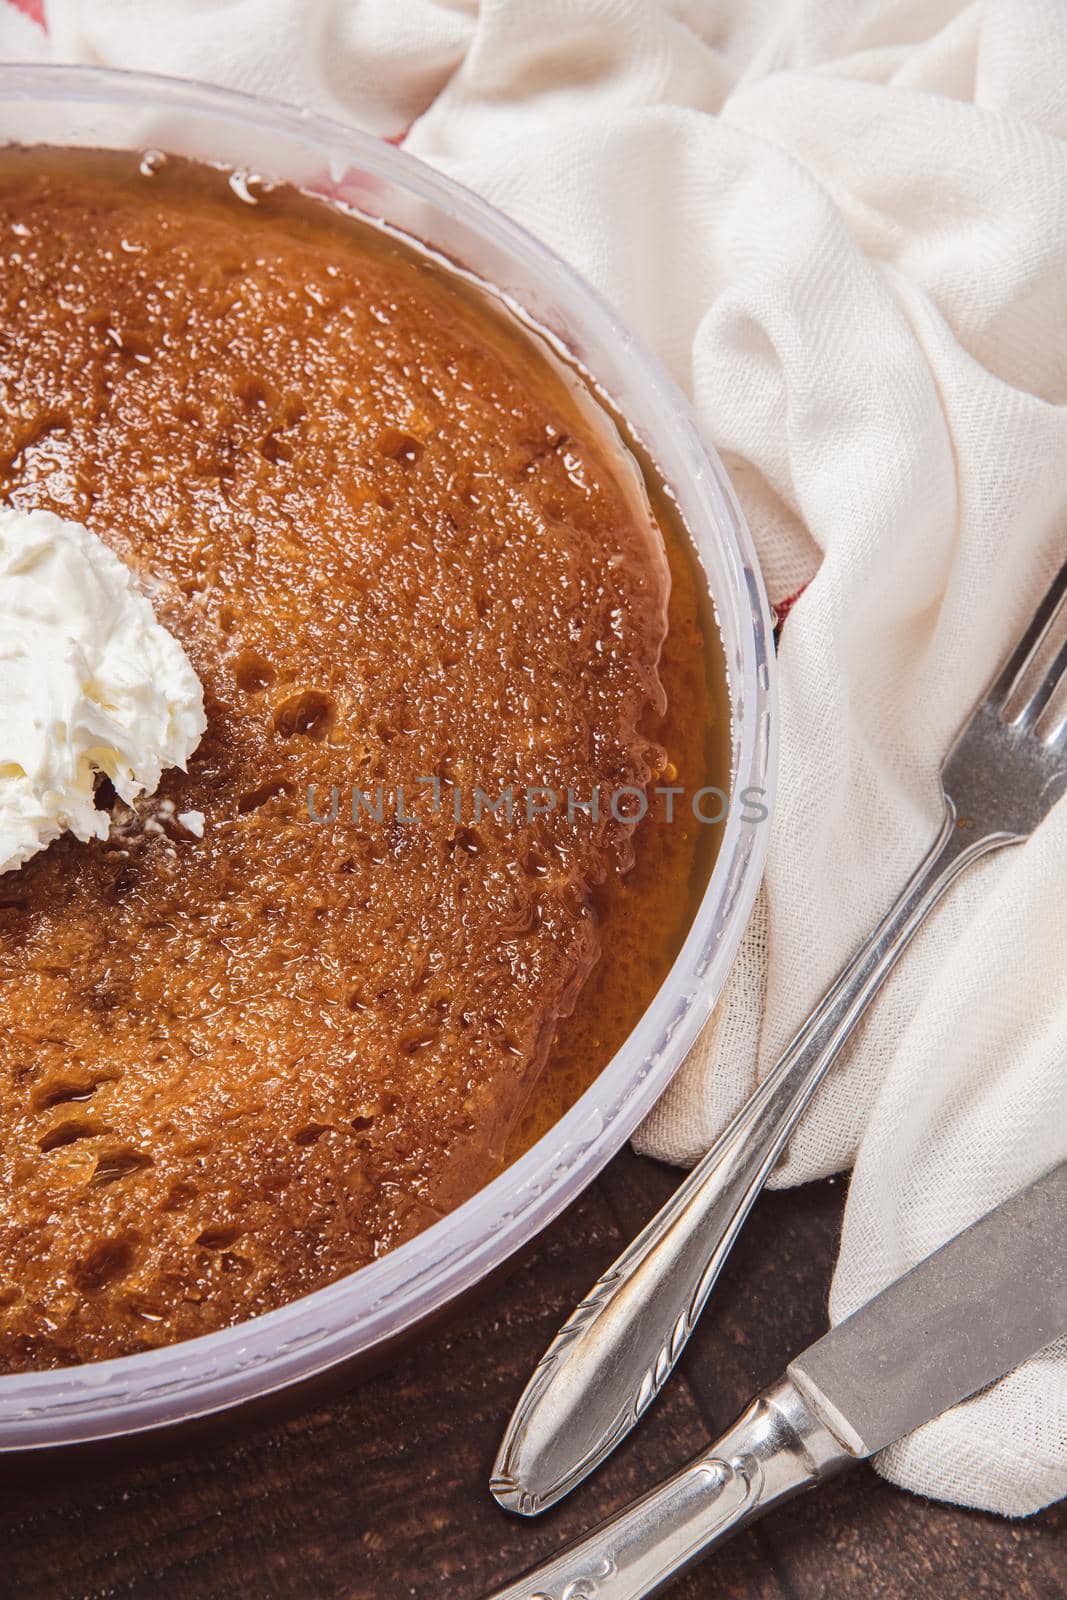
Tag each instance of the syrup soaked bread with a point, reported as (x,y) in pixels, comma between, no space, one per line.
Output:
(397,548)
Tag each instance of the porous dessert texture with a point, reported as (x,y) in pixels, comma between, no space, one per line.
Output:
(400,552)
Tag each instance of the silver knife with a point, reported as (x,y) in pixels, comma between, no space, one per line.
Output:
(969,1313)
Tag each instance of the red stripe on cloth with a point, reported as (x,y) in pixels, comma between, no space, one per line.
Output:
(784,607)
(34,9)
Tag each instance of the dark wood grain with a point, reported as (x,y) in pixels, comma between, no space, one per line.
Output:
(381,1494)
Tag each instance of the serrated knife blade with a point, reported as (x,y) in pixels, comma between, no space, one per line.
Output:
(966,1315)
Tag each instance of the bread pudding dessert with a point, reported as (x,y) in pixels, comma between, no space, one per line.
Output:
(416,573)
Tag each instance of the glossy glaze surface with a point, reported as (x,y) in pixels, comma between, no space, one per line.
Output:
(397,546)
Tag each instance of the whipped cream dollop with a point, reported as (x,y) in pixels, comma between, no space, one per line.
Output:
(90,684)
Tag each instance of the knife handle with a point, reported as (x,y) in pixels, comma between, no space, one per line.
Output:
(776,1448)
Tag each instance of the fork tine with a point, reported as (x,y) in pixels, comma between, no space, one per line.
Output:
(1030,642)
(1045,690)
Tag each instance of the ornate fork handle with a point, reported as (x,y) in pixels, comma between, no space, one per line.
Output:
(610,1359)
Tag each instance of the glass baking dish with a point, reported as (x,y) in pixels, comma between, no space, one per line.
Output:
(355,1319)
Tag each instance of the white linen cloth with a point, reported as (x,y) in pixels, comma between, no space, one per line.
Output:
(844,227)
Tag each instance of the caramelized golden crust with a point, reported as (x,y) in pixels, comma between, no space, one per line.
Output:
(396,549)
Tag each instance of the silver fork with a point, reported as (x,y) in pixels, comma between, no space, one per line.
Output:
(608,1362)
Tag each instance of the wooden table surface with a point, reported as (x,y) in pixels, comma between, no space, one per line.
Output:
(381,1493)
